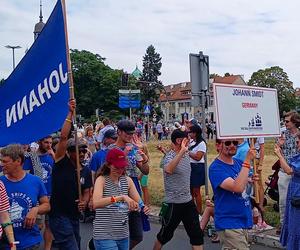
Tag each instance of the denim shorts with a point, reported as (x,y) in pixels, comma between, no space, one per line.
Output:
(122,244)
(65,232)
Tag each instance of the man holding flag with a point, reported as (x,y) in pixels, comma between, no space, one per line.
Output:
(65,201)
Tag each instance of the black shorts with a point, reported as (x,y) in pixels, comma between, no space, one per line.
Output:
(197,175)
(135,226)
(187,213)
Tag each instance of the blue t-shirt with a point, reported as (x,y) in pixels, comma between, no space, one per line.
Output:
(241,154)
(242,151)
(98,159)
(23,195)
(47,163)
(232,210)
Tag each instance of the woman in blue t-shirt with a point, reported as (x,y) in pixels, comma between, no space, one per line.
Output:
(290,232)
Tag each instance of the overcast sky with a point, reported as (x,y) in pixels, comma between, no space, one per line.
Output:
(240,37)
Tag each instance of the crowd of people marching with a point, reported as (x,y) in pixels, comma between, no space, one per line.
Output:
(44,192)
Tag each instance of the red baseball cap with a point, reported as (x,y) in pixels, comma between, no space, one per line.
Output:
(117,158)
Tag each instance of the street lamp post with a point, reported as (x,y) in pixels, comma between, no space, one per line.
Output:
(13,50)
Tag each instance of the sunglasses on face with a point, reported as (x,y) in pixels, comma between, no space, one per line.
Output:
(228,143)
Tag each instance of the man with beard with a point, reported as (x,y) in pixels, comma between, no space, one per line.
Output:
(229,177)
(40,163)
(65,201)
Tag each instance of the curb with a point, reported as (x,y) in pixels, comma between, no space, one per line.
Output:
(266,240)
(260,238)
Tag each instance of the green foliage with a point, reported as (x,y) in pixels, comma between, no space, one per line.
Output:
(151,71)
(96,84)
(2,81)
(271,217)
(275,77)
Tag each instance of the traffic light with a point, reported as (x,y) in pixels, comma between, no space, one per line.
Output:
(124,80)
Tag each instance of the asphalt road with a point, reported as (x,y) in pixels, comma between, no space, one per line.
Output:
(180,240)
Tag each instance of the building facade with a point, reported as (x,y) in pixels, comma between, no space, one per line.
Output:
(176,100)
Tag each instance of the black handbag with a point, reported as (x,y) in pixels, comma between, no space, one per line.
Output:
(295,201)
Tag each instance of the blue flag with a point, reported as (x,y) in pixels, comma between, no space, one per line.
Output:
(34,97)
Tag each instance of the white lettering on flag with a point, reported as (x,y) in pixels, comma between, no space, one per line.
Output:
(16,112)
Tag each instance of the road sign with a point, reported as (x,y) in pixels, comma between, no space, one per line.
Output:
(199,71)
(147,110)
(129,98)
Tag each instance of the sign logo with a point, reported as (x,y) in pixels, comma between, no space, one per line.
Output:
(255,123)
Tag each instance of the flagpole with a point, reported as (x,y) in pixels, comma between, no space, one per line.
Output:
(72,96)
(256,190)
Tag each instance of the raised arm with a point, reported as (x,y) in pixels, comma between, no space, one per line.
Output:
(238,185)
(170,168)
(283,164)
(66,128)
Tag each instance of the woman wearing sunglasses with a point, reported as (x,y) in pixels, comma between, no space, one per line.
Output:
(290,229)
(114,196)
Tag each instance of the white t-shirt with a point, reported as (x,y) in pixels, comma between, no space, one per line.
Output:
(200,147)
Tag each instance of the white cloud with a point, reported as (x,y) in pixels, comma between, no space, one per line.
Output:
(239,36)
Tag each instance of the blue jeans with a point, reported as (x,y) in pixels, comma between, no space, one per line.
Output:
(122,244)
(65,232)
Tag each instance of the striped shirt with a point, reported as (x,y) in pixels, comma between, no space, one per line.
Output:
(111,222)
(4,203)
(177,185)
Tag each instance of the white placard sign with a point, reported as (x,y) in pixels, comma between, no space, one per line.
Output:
(245,111)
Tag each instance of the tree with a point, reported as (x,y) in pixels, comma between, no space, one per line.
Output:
(151,71)
(213,75)
(2,81)
(275,77)
(96,84)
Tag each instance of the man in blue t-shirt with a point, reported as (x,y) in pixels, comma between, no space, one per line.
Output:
(229,177)
(40,164)
(110,137)
(27,197)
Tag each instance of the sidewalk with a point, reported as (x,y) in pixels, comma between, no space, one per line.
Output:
(265,237)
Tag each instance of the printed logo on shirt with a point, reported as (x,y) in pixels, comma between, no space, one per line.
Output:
(245,196)
(46,169)
(20,203)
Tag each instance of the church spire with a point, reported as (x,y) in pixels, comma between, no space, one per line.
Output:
(41,13)
(40,25)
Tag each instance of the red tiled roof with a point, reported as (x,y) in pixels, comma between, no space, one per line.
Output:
(176,91)
(226,79)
